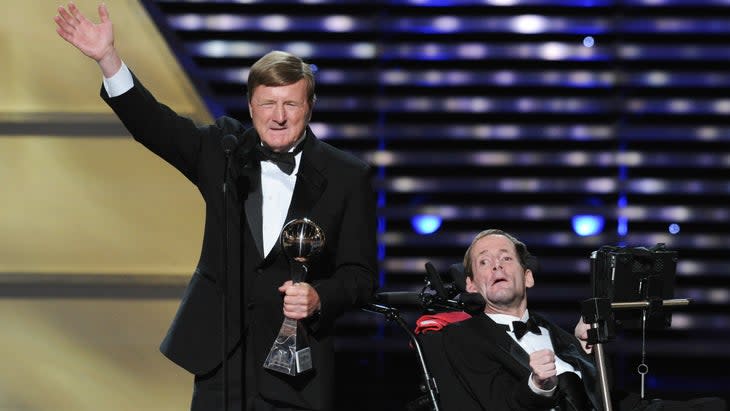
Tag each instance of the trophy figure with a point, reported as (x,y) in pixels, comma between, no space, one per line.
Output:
(301,239)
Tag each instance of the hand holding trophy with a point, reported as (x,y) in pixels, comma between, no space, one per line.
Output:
(301,239)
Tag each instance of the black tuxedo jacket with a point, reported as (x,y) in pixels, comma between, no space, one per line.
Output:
(332,188)
(492,369)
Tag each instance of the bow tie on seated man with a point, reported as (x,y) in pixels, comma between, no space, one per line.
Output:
(521,328)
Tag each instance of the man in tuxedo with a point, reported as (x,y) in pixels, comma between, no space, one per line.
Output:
(509,358)
(278,171)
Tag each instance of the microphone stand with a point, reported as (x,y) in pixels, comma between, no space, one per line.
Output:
(392,314)
(224,282)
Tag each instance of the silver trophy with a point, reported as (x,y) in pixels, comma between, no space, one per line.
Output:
(301,239)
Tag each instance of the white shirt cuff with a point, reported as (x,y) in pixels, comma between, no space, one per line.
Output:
(119,83)
(540,391)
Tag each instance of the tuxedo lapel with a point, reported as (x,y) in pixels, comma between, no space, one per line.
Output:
(253,205)
(516,358)
(310,181)
(246,172)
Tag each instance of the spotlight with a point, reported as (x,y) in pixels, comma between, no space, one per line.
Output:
(426,224)
(585,224)
(674,228)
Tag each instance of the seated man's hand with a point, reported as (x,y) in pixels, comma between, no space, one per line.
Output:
(301,300)
(581,333)
(544,373)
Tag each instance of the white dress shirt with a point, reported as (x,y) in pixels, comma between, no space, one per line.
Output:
(277,188)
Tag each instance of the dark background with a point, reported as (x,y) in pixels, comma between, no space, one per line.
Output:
(502,114)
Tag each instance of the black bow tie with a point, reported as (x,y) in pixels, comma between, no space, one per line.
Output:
(520,328)
(285,161)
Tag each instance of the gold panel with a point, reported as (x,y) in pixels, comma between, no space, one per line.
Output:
(88,355)
(88,204)
(94,205)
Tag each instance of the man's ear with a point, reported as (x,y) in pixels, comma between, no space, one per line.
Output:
(309,114)
(470,287)
(529,279)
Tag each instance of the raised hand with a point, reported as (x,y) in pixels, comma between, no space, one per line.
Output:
(581,333)
(94,40)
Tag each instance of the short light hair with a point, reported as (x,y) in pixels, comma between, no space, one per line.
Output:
(524,257)
(279,68)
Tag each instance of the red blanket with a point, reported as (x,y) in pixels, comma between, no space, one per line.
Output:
(434,322)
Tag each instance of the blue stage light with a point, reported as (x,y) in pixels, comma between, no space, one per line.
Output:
(426,224)
(585,224)
(623,226)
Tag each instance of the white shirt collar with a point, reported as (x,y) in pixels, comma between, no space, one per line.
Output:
(506,319)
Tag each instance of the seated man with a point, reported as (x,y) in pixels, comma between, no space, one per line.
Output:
(511,359)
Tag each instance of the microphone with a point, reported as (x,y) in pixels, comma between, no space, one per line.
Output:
(385,303)
(229,143)
(436,296)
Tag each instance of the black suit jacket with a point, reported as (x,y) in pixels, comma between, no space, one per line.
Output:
(332,188)
(492,369)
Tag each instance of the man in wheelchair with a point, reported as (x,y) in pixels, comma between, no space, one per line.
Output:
(509,358)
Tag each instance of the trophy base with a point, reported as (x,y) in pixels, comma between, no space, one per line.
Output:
(303,359)
(284,356)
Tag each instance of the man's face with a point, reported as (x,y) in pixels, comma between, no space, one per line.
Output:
(498,275)
(280,114)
